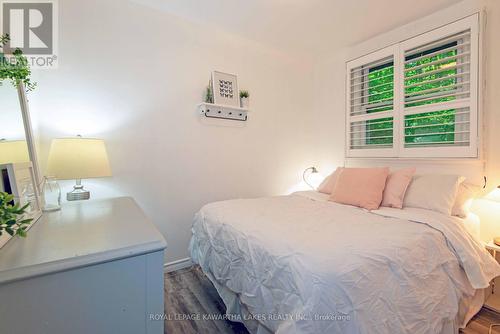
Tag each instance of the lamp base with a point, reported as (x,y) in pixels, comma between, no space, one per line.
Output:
(496,241)
(78,193)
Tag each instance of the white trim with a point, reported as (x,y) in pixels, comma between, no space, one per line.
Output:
(481,115)
(30,138)
(399,103)
(177,265)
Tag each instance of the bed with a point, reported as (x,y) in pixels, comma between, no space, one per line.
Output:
(303,264)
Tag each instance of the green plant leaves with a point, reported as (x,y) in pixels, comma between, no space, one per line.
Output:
(4,39)
(12,218)
(15,69)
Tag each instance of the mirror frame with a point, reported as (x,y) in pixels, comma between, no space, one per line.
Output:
(30,141)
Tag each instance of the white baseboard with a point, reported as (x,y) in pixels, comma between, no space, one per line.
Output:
(176,265)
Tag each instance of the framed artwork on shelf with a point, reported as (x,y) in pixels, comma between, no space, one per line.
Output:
(225,89)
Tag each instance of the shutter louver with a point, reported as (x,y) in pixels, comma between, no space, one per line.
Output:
(437,82)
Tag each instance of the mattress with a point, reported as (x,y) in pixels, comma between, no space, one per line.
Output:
(302,264)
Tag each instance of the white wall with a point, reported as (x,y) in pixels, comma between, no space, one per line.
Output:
(490,211)
(133,76)
(330,108)
(11,121)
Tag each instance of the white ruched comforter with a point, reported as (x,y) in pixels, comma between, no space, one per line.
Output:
(301,264)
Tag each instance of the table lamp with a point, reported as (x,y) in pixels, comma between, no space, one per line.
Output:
(495,197)
(76,159)
(13,151)
(313,178)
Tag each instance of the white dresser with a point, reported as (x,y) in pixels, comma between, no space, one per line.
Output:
(93,267)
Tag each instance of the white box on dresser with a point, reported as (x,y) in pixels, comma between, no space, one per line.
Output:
(93,267)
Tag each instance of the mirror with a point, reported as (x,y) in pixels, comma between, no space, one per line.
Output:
(13,144)
(17,176)
(16,135)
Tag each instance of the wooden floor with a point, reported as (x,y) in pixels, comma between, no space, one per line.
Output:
(189,293)
(189,296)
(481,323)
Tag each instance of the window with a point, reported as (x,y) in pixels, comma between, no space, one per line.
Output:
(417,98)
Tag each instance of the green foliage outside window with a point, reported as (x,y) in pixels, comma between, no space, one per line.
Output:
(438,122)
(381,88)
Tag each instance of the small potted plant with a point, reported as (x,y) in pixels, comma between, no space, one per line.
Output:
(12,217)
(209,95)
(244,95)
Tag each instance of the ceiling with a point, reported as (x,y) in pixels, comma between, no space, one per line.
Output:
(304,27)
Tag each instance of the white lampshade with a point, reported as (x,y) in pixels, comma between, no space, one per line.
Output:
(315,179)
(494,195)
(78,158)
(13,151)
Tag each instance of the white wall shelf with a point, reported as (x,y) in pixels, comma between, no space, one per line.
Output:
(211,110)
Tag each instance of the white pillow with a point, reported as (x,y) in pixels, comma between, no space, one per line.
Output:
(465,195)
(433,192)
(471,224)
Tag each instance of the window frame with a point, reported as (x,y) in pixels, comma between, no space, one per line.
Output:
(399,112)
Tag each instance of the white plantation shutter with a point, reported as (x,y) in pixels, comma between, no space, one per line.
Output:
(370,120)
(439,108)
(431,108)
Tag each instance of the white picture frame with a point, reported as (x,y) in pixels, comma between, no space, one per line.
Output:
(14,179)
(225,89)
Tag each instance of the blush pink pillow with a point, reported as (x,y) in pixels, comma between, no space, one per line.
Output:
(328,184)
(363,187)
(395,187)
